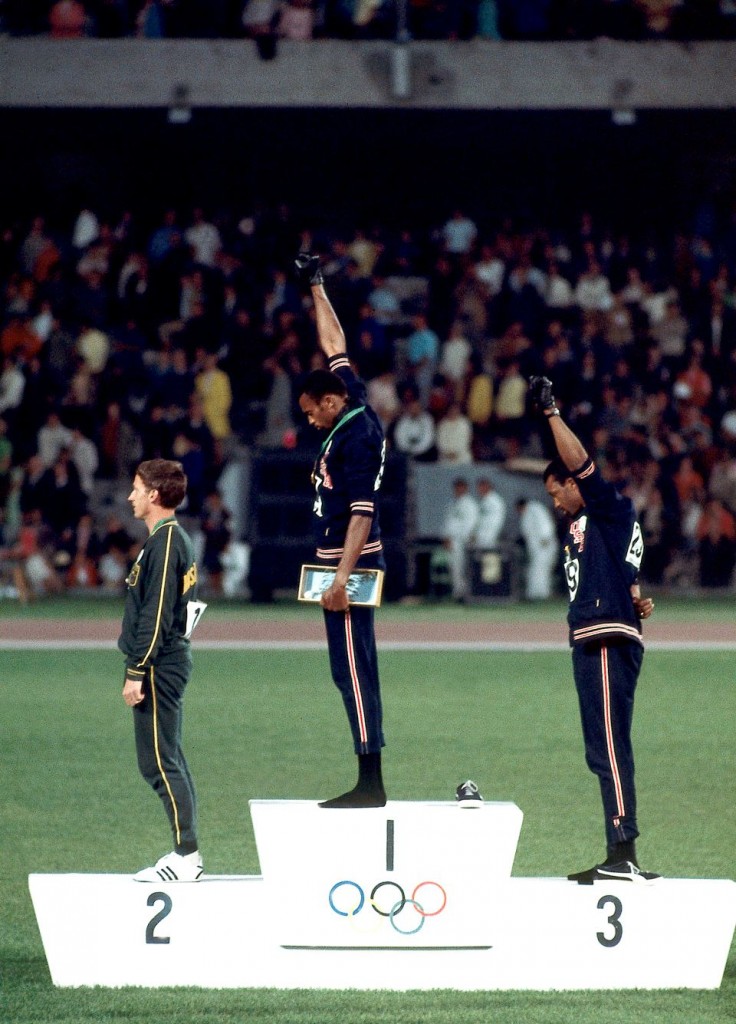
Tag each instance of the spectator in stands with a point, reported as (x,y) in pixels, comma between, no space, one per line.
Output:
(119,444)
(68,20)
(559,296)
(373,352)
(117,550)
(721,481)
(52,438)
(18,340)
(66,510)
(455,356)
(85,458)
(593,290)
(442,300)
(12,386)
(34,244)
(212,385)
(187,451)
(454,436)
(93,347)
(509,408)
(216,527)
(670,332)
(383,302)
(383,398)
(716,534)
(459,234)
(6,464)
(414,431)
(479,407)
(422,354)
(203,237)
(82,574)
(695,376)
(371,19)
(490,270)
(59,356)
(719,329)
(296,20)
(32,559)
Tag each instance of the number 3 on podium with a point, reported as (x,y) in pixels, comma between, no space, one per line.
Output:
(614,919)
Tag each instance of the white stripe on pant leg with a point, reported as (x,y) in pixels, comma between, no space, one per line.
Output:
(354,677)
(621,810)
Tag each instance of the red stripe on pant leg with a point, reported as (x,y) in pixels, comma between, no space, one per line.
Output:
(609,732)
(354,676)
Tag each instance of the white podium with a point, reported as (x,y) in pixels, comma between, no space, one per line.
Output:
(419,875)
(410,896)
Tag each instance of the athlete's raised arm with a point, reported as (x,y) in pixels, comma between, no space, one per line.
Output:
(569,447)
(329,330)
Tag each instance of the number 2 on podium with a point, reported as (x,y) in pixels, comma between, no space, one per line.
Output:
(152,939)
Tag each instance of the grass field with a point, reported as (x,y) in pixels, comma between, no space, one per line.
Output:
(265,725)
(671,606)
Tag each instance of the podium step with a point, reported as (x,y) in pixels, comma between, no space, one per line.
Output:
(222,932)
(407,896)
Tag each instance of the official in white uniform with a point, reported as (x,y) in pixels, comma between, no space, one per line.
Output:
(459,530)
(491,515)
(537,529)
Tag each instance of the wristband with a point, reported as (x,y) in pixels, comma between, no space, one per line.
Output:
(552,412)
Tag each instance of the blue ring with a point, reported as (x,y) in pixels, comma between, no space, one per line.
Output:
(410,931)
(344,913)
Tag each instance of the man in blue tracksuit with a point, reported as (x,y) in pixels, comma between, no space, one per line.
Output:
(347,478)
(603,553)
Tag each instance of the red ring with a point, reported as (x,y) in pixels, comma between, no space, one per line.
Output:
(425,913)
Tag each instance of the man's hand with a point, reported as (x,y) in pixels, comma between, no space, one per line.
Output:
(644,606)
(133,692)
(307,269)
(540,392)
(335,598)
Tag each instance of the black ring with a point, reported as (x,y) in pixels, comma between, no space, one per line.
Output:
(392,912)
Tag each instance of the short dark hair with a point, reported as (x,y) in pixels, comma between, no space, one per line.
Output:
(557,470)
(167,477)
(319,383)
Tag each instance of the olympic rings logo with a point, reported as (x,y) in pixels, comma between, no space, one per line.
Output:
(348,899)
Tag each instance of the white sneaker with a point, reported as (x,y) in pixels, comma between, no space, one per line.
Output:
(173,867)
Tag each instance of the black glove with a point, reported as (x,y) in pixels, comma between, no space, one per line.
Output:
(540,392)
(307,269)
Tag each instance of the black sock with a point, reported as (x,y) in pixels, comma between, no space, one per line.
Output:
(368,791)
(369,771)
(622,851)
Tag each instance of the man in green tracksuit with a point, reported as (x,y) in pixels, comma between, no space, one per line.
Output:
(160,612)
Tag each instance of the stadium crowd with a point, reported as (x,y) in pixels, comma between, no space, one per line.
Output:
(122,339)
(370,19)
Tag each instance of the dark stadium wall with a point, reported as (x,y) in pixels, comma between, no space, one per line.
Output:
(347,166)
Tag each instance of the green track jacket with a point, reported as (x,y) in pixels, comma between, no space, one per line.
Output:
(161,582)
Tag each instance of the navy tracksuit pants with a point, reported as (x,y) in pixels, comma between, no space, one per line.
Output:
(605,677)
(351,642)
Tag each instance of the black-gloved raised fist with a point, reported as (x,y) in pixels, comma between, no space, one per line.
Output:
(540,392)
(307,269)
